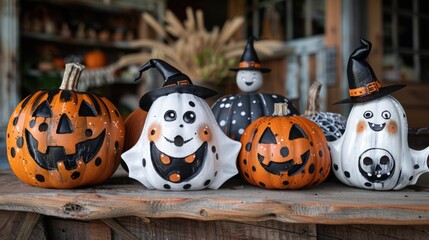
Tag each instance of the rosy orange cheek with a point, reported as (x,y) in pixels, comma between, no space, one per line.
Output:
(392,127)
(361,126)
(154,132)
(205,134)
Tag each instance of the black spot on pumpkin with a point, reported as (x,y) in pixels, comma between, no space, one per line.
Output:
(261,184)
(116,145)
(247,175)
(65,125)
(32,123)
(43,110)
(12,152)
(285,183)
(15,121)
(311,168)
(284,151)
(19,142)
(347,174)
(98,161)
(249,147)
(43,127)
(166,186)
(65,96)
(144,162)
(368,184)
(87,110)
(207,182)
(296,132)
(253,168)
(268,137)
(187,186)
(75,175)
(88,132)
(40,178)
(213,149)
(245,161)
(336,167)
(320,153)
(321,171)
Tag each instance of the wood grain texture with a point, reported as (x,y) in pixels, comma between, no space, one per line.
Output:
(328,203)
(21,225)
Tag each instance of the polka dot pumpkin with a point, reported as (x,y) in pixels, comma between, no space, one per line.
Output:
(62,138)
(234,113)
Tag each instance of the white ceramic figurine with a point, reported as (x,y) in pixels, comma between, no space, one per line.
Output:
(181,147)
(373,153)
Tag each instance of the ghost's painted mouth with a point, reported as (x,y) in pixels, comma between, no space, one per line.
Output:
(248,83)
(175,169)
(376,127)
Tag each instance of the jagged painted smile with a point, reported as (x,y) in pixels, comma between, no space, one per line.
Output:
(376,127)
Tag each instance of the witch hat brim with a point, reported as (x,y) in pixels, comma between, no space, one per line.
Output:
(381,92)
(147,99)
(261,69)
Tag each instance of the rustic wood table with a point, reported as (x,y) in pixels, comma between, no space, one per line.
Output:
(124,209)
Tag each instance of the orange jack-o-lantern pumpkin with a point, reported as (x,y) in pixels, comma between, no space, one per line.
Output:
(284,152)
(63,138)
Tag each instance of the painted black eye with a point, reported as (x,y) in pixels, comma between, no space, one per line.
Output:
(386,114)
(170,115)
(368,114)
(189,117)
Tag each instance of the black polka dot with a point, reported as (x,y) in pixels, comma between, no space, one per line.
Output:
(75,175)
(166,186)
(213,149)
(321,171)
(217,156)
(253,168)
(416,166)
(311,143)
(244,161)
(347,174)
(320,153)
(411,178)
(116,145)
(43,127)
(261,184)
(88,132)
(144,162)
(285,183)
(152,132)
(336,167)
(207,182)
(284,151)
(19,142)
(192,104)
(187,186)
(15,121)
(368,184)
(248,146)
(215,174)
(98,161)
(246,174)
(12,152)
(40,178)
(32,123)
(311,168)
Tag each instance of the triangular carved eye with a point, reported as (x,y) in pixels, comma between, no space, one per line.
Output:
(65,125)
(43,110)
(268,137)
(87,110)
(296,132)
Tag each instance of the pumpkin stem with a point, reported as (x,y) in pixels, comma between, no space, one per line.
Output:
(313,106)
(71,76)
(280,109)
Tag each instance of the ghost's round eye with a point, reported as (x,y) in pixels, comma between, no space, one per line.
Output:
(368,114)
(386,114)
(170,115)
(189,117)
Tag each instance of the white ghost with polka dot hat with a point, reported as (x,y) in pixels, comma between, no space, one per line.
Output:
(181,147)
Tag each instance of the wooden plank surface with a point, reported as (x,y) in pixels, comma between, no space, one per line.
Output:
(328,203)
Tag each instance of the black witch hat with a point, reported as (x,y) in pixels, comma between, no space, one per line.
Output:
(249,60)
(174,82)
(363,84)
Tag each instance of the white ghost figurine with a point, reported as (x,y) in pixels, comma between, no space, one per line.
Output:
(181,147)
(373,152)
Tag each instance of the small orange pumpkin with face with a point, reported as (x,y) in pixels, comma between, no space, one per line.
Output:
(63,138)
(284,152)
